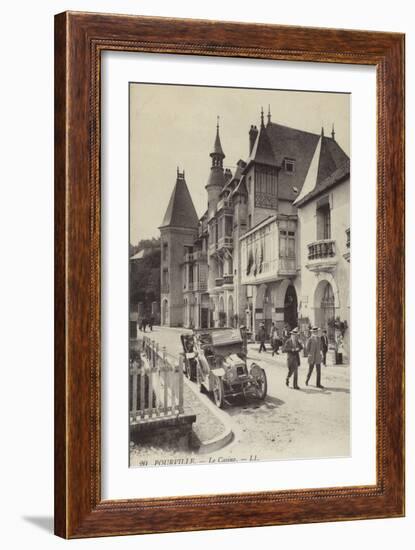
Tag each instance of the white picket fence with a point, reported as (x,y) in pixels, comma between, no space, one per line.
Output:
(156,384)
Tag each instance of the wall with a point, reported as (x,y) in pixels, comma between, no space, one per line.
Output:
(339,278)
(176,240)
(26,290)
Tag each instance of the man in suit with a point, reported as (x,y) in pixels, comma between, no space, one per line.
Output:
(262,336)
(292,348)
(314,354)
(324,346)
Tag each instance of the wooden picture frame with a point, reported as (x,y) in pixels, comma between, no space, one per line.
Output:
(79,40)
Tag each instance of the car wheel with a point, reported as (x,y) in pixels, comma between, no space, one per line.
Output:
(218,392)
(262,385)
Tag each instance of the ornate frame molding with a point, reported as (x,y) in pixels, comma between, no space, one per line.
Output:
(79,40)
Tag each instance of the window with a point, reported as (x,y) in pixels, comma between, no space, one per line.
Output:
(249,221)
(287,244)
(283,244)
(165,281)
(289,165)
(165,251)
(323,222)
(220,228)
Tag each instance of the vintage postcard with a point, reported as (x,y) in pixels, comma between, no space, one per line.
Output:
(239,263)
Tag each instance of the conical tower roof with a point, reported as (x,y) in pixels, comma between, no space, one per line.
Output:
(216,176)
(217,146)
(180,210)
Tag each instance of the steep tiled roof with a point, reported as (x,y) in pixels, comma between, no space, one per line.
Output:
(338,175)
(290,143)
(240,188)
(331,158)
(180,210)
(262,151)
(233,183)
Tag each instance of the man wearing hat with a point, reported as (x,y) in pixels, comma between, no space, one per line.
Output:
(292,348)
(314,353)
(262,336)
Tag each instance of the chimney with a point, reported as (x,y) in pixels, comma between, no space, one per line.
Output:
(253,132)
(228,174)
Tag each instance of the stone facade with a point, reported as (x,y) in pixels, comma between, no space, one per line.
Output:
(273,236)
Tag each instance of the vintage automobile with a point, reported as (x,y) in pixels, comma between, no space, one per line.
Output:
(216,360)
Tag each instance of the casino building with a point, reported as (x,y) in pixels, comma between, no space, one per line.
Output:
(274,242)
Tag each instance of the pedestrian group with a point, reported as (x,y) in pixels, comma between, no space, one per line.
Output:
(144,323)
(315,348)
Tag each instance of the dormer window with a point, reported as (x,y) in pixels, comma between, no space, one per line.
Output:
(289,165)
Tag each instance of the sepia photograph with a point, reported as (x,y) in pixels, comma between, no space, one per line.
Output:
(239,275)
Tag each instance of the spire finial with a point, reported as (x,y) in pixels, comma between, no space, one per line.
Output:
(262,116)
(333,133)
(269,113)
(177,171)
(217,154)
(322,131)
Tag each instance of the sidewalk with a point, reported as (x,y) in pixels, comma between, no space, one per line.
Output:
(212,427)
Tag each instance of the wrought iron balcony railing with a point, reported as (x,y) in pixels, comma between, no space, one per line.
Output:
(325,248)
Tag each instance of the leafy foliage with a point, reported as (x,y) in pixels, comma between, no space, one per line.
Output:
(145,274)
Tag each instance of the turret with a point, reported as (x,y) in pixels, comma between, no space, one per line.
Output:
(216,179)
(178,230)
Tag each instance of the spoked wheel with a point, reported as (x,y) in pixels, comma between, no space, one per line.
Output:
(188,370)
(262,385)
(199,379)
(218,392)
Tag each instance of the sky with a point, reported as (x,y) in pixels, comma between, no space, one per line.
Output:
(175,126)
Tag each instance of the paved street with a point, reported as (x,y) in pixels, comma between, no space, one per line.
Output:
(289,423)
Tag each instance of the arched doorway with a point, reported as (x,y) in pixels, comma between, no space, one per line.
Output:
(165,312)
(230,312)
(290,307)
(324,307)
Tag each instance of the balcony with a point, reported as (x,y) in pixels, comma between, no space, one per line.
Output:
(322,255)
(199,256)
(268,251)
(188,257)
(287,266)
(225,242)
(224,205)
(346,256)
(228,280)
(197,286)
(219,281)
